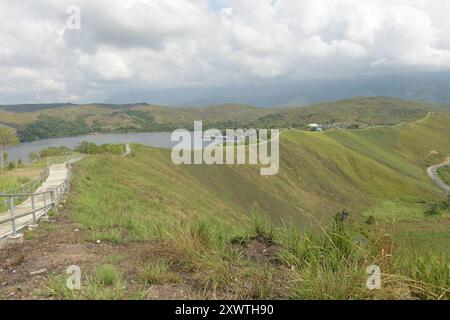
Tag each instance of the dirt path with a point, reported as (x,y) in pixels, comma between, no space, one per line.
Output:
(432,172)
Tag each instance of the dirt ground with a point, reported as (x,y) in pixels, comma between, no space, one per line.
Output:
(54,246)
(24,172)
(47,252)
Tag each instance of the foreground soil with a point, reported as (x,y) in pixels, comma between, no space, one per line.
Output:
(25,268)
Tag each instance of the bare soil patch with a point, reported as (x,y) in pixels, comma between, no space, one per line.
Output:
(49,250)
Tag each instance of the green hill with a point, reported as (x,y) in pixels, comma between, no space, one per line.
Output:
(356,111)
(140,227)
(378,171)
(37,122)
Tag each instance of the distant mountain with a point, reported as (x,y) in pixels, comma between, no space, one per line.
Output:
(415,86)
(35,107)
(418,86)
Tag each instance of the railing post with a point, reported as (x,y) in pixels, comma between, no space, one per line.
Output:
(5,202)
(45,202)
(13,215)
(33,208)
(52,197)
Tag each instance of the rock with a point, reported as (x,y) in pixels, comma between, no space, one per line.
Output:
(99,241)
(76,230)
(40,271)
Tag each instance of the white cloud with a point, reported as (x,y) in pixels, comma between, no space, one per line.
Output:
(179,43)
(109,65)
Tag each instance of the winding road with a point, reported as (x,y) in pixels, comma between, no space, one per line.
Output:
(432,172)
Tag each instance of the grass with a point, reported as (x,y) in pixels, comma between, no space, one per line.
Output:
(212,263)
(8,183)
(199,221)
(114,236)
(444,174)
(306,266)
(159,273)
(137,197)
(107,275)
(104,283)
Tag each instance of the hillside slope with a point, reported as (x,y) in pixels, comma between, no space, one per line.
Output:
(373,171)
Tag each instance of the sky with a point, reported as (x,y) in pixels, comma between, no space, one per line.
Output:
(119,50)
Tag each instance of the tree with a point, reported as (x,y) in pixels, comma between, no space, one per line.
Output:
(8,138)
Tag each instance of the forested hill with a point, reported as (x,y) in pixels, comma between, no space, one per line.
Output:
(57,120)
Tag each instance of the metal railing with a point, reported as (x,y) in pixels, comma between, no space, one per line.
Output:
(25,188)
(48,200)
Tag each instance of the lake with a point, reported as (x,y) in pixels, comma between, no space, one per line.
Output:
(152,139)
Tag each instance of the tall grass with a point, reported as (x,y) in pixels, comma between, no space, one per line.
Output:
(331,265)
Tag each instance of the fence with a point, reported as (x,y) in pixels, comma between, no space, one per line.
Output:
(35,205)
(26,188)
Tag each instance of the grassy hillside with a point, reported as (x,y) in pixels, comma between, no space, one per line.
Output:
(34,122)
(364,111)
(141,227)
(378,172)
(444,173)
(192,232)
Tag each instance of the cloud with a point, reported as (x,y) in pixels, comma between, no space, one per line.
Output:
(152,45)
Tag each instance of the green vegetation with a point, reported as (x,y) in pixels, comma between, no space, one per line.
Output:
(8,138)
(159,273)
(47,126)
(19,174)
(50,152)
(439,208)
(69,120)
(259,260)
(444,174)
(92,148)
(353,113)
(367,172)
(8,183)
(343,200)
(105,283)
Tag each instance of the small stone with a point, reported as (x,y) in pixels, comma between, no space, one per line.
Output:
(4,284)
(99,241)
(76,230)
(40,271)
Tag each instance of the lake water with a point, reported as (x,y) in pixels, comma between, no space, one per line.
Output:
(154,139)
